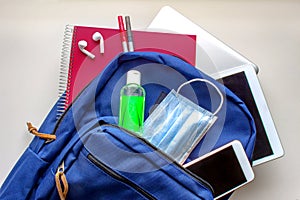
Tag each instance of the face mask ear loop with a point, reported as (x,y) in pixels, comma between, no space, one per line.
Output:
(210,83)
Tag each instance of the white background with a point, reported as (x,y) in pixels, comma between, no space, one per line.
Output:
(266,32)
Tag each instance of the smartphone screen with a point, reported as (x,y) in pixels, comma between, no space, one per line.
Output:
(222,170)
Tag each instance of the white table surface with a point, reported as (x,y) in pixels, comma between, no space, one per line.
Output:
(266,32)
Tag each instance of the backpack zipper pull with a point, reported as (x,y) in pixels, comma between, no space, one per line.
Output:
(61,181)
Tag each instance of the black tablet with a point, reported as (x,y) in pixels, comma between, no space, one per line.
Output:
(244,83)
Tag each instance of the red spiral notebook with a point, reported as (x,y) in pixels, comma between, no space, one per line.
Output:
(77,69)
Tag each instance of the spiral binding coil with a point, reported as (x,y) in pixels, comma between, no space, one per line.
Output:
(64,75)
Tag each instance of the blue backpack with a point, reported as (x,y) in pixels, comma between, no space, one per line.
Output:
(90,157)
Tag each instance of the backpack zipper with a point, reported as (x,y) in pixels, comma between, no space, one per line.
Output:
(171,160)
(119,177)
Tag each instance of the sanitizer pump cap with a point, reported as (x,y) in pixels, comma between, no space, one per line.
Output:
(133,76)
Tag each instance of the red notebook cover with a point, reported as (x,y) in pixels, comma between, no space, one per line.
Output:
(77,69)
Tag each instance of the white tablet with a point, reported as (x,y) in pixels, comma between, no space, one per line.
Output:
(244,83)
(212,55)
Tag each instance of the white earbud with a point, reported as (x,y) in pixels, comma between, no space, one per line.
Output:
(98,37)
(82,44)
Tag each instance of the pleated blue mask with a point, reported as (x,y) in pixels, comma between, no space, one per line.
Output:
(177,124)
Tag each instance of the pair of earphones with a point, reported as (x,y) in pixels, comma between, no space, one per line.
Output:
(82,44)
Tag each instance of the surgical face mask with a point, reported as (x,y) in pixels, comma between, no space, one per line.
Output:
(177,124)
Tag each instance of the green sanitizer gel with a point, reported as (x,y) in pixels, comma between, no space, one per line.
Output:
(132,103)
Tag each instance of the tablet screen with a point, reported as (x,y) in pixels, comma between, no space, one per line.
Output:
(239,85)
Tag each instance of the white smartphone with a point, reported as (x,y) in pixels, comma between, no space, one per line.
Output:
(226,168)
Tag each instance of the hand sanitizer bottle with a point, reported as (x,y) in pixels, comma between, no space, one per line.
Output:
(132,103)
